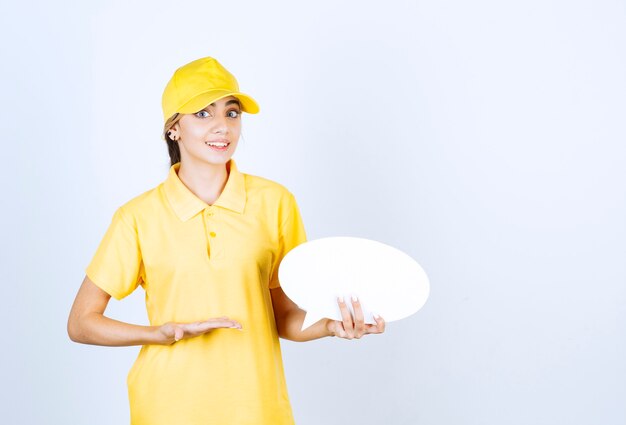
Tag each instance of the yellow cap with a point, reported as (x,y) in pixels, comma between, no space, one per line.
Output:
(200,83)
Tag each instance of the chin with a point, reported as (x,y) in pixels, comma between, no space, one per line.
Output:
(218,159)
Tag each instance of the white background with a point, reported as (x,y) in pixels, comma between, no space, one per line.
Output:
(485,139)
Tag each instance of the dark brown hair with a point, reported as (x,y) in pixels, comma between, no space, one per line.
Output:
(172,146)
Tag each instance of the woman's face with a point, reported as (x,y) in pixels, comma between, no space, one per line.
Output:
(211,134)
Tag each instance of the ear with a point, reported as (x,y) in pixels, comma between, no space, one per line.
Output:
(173,132)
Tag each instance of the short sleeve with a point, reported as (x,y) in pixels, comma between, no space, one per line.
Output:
(117,265)
(291,234)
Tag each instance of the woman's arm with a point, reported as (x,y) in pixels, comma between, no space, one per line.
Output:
(87,323)
(289,318)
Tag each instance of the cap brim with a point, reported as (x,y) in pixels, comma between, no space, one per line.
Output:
(201,101)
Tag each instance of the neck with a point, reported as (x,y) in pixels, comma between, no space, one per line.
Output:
(206,181)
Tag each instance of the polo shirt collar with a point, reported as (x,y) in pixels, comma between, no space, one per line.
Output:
(186,204)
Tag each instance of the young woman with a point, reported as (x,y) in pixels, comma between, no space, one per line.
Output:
(205,245)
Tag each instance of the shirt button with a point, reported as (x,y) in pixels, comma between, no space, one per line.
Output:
(212,234)
(210,213)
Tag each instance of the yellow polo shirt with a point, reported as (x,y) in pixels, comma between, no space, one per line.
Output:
(197,261)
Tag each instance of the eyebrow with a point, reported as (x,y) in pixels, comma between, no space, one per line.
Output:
(230,102)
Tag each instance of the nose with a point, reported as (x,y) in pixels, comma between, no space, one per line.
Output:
(220,125)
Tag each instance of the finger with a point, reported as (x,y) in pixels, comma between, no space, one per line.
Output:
(225,323)
(339,330)
(371,329)
(379,327)
(359,321)
(221,323)
(199,328)
(381,323)
(195,328)
(179,333)
(346,316)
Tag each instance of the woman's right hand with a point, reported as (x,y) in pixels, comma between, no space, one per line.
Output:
(87,323)
(172,332)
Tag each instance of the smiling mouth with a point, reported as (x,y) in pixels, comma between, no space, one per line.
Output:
(217,144)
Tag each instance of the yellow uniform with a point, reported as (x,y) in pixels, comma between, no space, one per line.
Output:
(197,261)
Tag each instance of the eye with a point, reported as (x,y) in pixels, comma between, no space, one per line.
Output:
(202,114)
(233,113)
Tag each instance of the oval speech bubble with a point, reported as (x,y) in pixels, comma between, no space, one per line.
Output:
(386,280)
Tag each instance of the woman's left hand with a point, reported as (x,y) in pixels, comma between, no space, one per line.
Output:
(350,327)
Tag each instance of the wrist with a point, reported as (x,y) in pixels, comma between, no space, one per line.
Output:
(329,325)
(158,337)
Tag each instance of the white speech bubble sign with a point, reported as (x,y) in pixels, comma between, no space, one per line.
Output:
(386,281)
